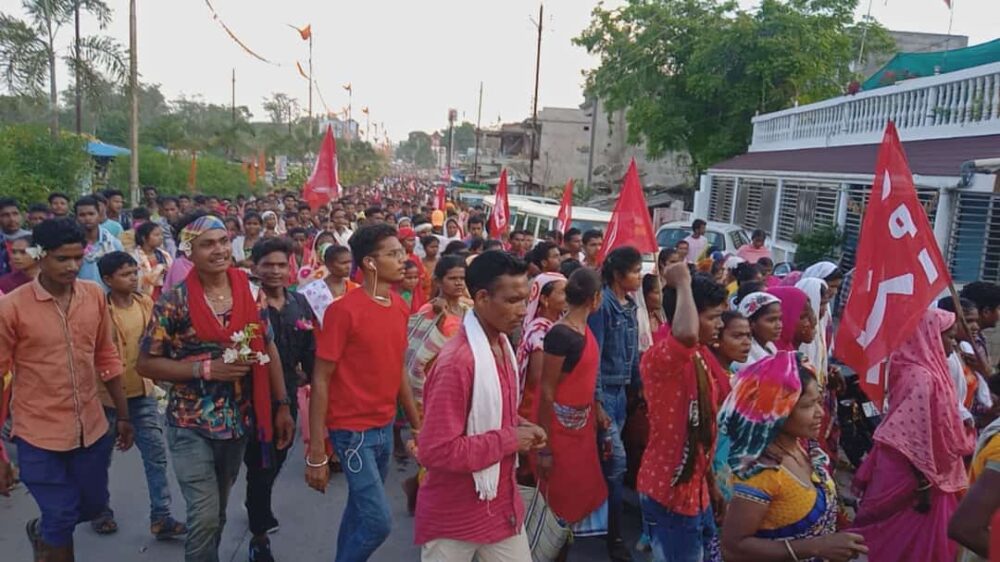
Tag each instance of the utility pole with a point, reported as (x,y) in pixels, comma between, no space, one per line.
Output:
(479,120)
(452,115)
(534,110)
(594,105)
(133,83)
(311,125)
(76,60)
(234,96)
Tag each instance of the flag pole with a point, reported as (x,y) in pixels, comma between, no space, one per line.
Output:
(479,121)
(311,124)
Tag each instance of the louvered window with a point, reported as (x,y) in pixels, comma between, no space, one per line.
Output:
(974,249)
(720,204)
(804,207)
(756,202)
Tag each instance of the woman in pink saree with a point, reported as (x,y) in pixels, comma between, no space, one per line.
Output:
(909,484)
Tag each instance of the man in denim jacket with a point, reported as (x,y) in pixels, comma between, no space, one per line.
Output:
(615,326)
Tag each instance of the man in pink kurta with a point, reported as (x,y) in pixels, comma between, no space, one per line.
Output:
(452,522)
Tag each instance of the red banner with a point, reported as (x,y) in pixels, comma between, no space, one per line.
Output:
(500,215)
(565,216)
(324,183)
(899,271)
(440,198)
(630,224)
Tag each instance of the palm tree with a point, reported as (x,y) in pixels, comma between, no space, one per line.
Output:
(28,50)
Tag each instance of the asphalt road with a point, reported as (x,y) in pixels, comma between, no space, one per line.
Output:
(309,520)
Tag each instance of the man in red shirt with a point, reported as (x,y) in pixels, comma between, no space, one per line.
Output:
(469,503)
(684,386)
(359,371)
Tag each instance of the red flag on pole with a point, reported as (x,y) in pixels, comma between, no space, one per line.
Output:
(630,224)
(440,198)
(565,216)
(324,183)
(500,215)
(898,274)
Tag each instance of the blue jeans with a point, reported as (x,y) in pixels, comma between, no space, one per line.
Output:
(149,440)
(366,522)
(69,486)
(206,470)
(614,400)
(679,538)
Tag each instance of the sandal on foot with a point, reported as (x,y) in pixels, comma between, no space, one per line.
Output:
(167,528)
(104,524)
(35,538)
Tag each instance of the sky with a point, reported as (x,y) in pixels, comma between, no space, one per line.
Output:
(409,61)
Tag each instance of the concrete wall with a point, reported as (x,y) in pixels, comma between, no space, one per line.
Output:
(565,145)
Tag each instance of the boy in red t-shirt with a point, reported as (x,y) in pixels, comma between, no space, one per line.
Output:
(359,370)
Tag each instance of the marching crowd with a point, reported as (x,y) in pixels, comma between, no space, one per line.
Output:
(534,382)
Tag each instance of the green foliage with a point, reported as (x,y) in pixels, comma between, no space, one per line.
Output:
(465,137)
(169,173)
(823,243)
(28,51)
(416,149)
(359,163)
(33,164)
(692,73)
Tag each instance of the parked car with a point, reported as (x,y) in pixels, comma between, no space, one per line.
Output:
(723,236)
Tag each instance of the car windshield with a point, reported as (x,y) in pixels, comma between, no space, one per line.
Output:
(669,237)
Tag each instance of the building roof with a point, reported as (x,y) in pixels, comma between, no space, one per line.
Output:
(104,150)
(936,157)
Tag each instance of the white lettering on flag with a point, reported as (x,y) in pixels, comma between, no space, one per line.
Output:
(886,186)
(901,222)
(930,270)
(902,285)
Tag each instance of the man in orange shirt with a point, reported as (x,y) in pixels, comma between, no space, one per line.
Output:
(55,336)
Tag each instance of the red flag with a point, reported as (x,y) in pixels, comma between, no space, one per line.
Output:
(324,184)
(899,271)
(440,198)
(630,224)
(565,216)
(500,216)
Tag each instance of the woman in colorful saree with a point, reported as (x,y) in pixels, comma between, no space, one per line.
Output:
(784,500)
(909,484)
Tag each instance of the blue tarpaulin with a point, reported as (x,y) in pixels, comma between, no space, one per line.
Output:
(103,150)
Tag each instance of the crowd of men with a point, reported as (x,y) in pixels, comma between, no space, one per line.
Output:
(513,370)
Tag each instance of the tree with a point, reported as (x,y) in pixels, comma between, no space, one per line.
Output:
(28,51)
(465,137)
(416,149)
(33,164)
(282,108)
(692,73)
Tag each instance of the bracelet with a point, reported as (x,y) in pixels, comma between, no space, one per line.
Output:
(317,465)
(196,370)
(791,551)
(206,369)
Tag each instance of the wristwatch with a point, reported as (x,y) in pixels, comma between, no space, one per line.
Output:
(286,401)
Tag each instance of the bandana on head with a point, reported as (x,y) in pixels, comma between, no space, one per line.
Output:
(763,396)
(199,226)
(754,302)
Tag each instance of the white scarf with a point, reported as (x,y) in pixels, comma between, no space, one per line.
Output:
(486,413)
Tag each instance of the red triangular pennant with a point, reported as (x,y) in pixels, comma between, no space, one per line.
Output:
(898,274)
(324,184)
(630,224)
(500,215)
(565,216)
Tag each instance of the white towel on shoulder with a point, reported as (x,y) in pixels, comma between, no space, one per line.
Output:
(486,413)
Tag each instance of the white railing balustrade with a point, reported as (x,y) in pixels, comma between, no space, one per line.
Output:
(964,103)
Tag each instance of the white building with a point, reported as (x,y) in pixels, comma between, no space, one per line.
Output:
(813,165)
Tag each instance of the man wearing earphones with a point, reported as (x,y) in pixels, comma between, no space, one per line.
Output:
(359,369)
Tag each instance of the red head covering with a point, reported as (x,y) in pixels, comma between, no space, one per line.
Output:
(923,423)
(793,302)
(406,233)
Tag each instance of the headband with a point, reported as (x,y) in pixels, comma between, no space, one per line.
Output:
(196,228)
